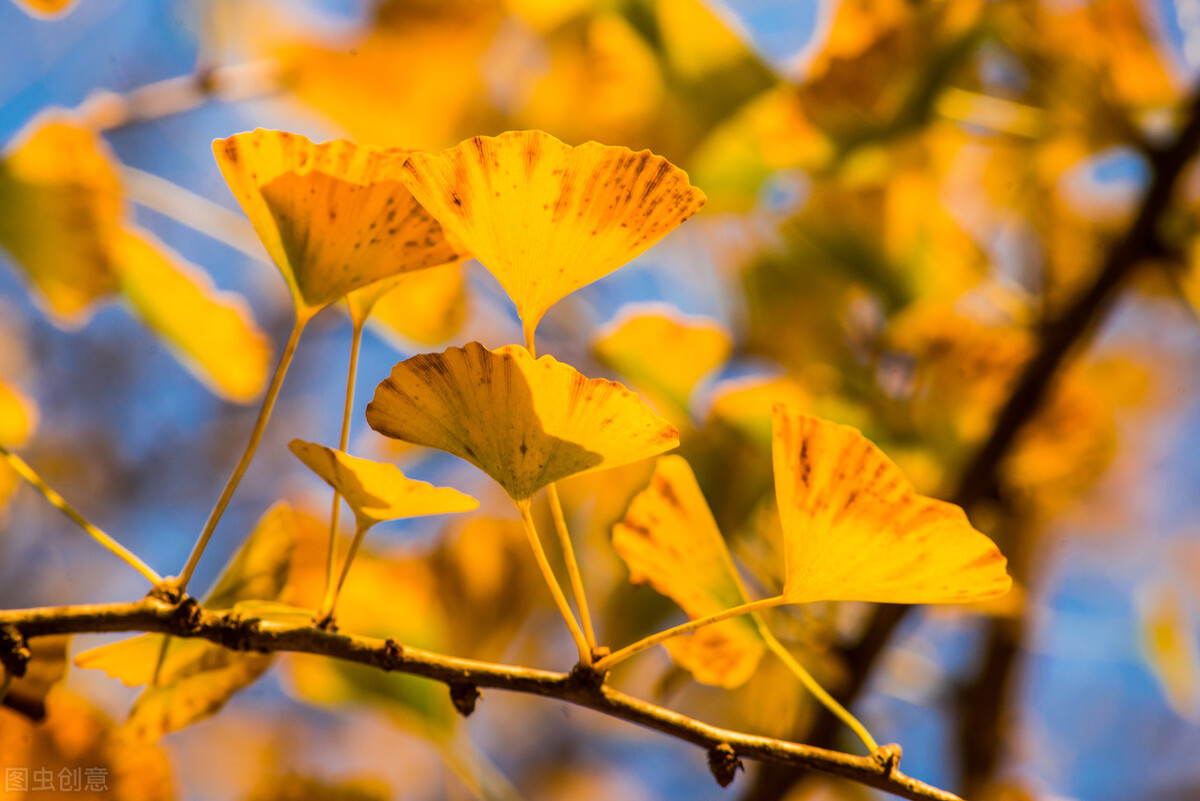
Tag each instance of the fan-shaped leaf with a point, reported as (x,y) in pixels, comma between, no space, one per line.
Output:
(546,218)
(854,528)
(524,422)
(333,216)
(377,491)
(670,541)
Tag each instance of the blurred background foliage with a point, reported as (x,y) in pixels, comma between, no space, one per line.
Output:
(903,196)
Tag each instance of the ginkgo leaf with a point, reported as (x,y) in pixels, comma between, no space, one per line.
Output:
(18,416)
(45,8)
(670,541)
(525,422)
(333,216)
(664,354)
(1170,647)
(427,306)
(191,679)
(855,530)
(378,491)
(212,331)
(47,665)
(76,733)
(546,218)
(60,203)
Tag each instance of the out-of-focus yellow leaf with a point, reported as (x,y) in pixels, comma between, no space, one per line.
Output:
(426,306)
(46,667)
(525,422)
(670,541)
(487,582)
(416,81)
(333,216)
(191,679)
(851,30)
(1168,638)
(855,530)
(18,416)
(603,82)
(60,204)
(378,491)
(1118,42)
(664,355)
(545,218)
(696,41)
(213,332)
(747,405)
(307,788)
(770,132)
(45,8)
(412,615)
(77,737)
(545,15)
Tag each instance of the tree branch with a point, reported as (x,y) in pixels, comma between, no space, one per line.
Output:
(582,688)
(1139,243)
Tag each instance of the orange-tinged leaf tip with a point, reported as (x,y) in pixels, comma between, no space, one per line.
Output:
(333,216)
(525,422)
(377,491)
(670,541)
(855,529)
(546,218)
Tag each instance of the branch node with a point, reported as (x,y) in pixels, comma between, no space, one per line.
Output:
(464,695)
(186,616)
(393,655)
(169,591)
(238,632)
(724,763)
(586,678)
(14,651)
(888,756)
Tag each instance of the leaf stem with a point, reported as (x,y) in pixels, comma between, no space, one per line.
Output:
(329,602)
(564,536)
(585,651)
(616,657)
(120,551)
(335,513)
(816,689)
(564,539)
(260,425)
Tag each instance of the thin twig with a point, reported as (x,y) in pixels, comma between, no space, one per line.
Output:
(105,110)
(581,688)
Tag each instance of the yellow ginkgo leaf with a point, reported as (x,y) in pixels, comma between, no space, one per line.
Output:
(18,416)
(546,218)
(46,667)
(45,8)
(525,422)
(192,679)
(1170,648)
(60,204)
(670,541)
(664,354)
(855,530)
(212,331)
(378,491)
(75,733)
(427,307)
(333,216)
